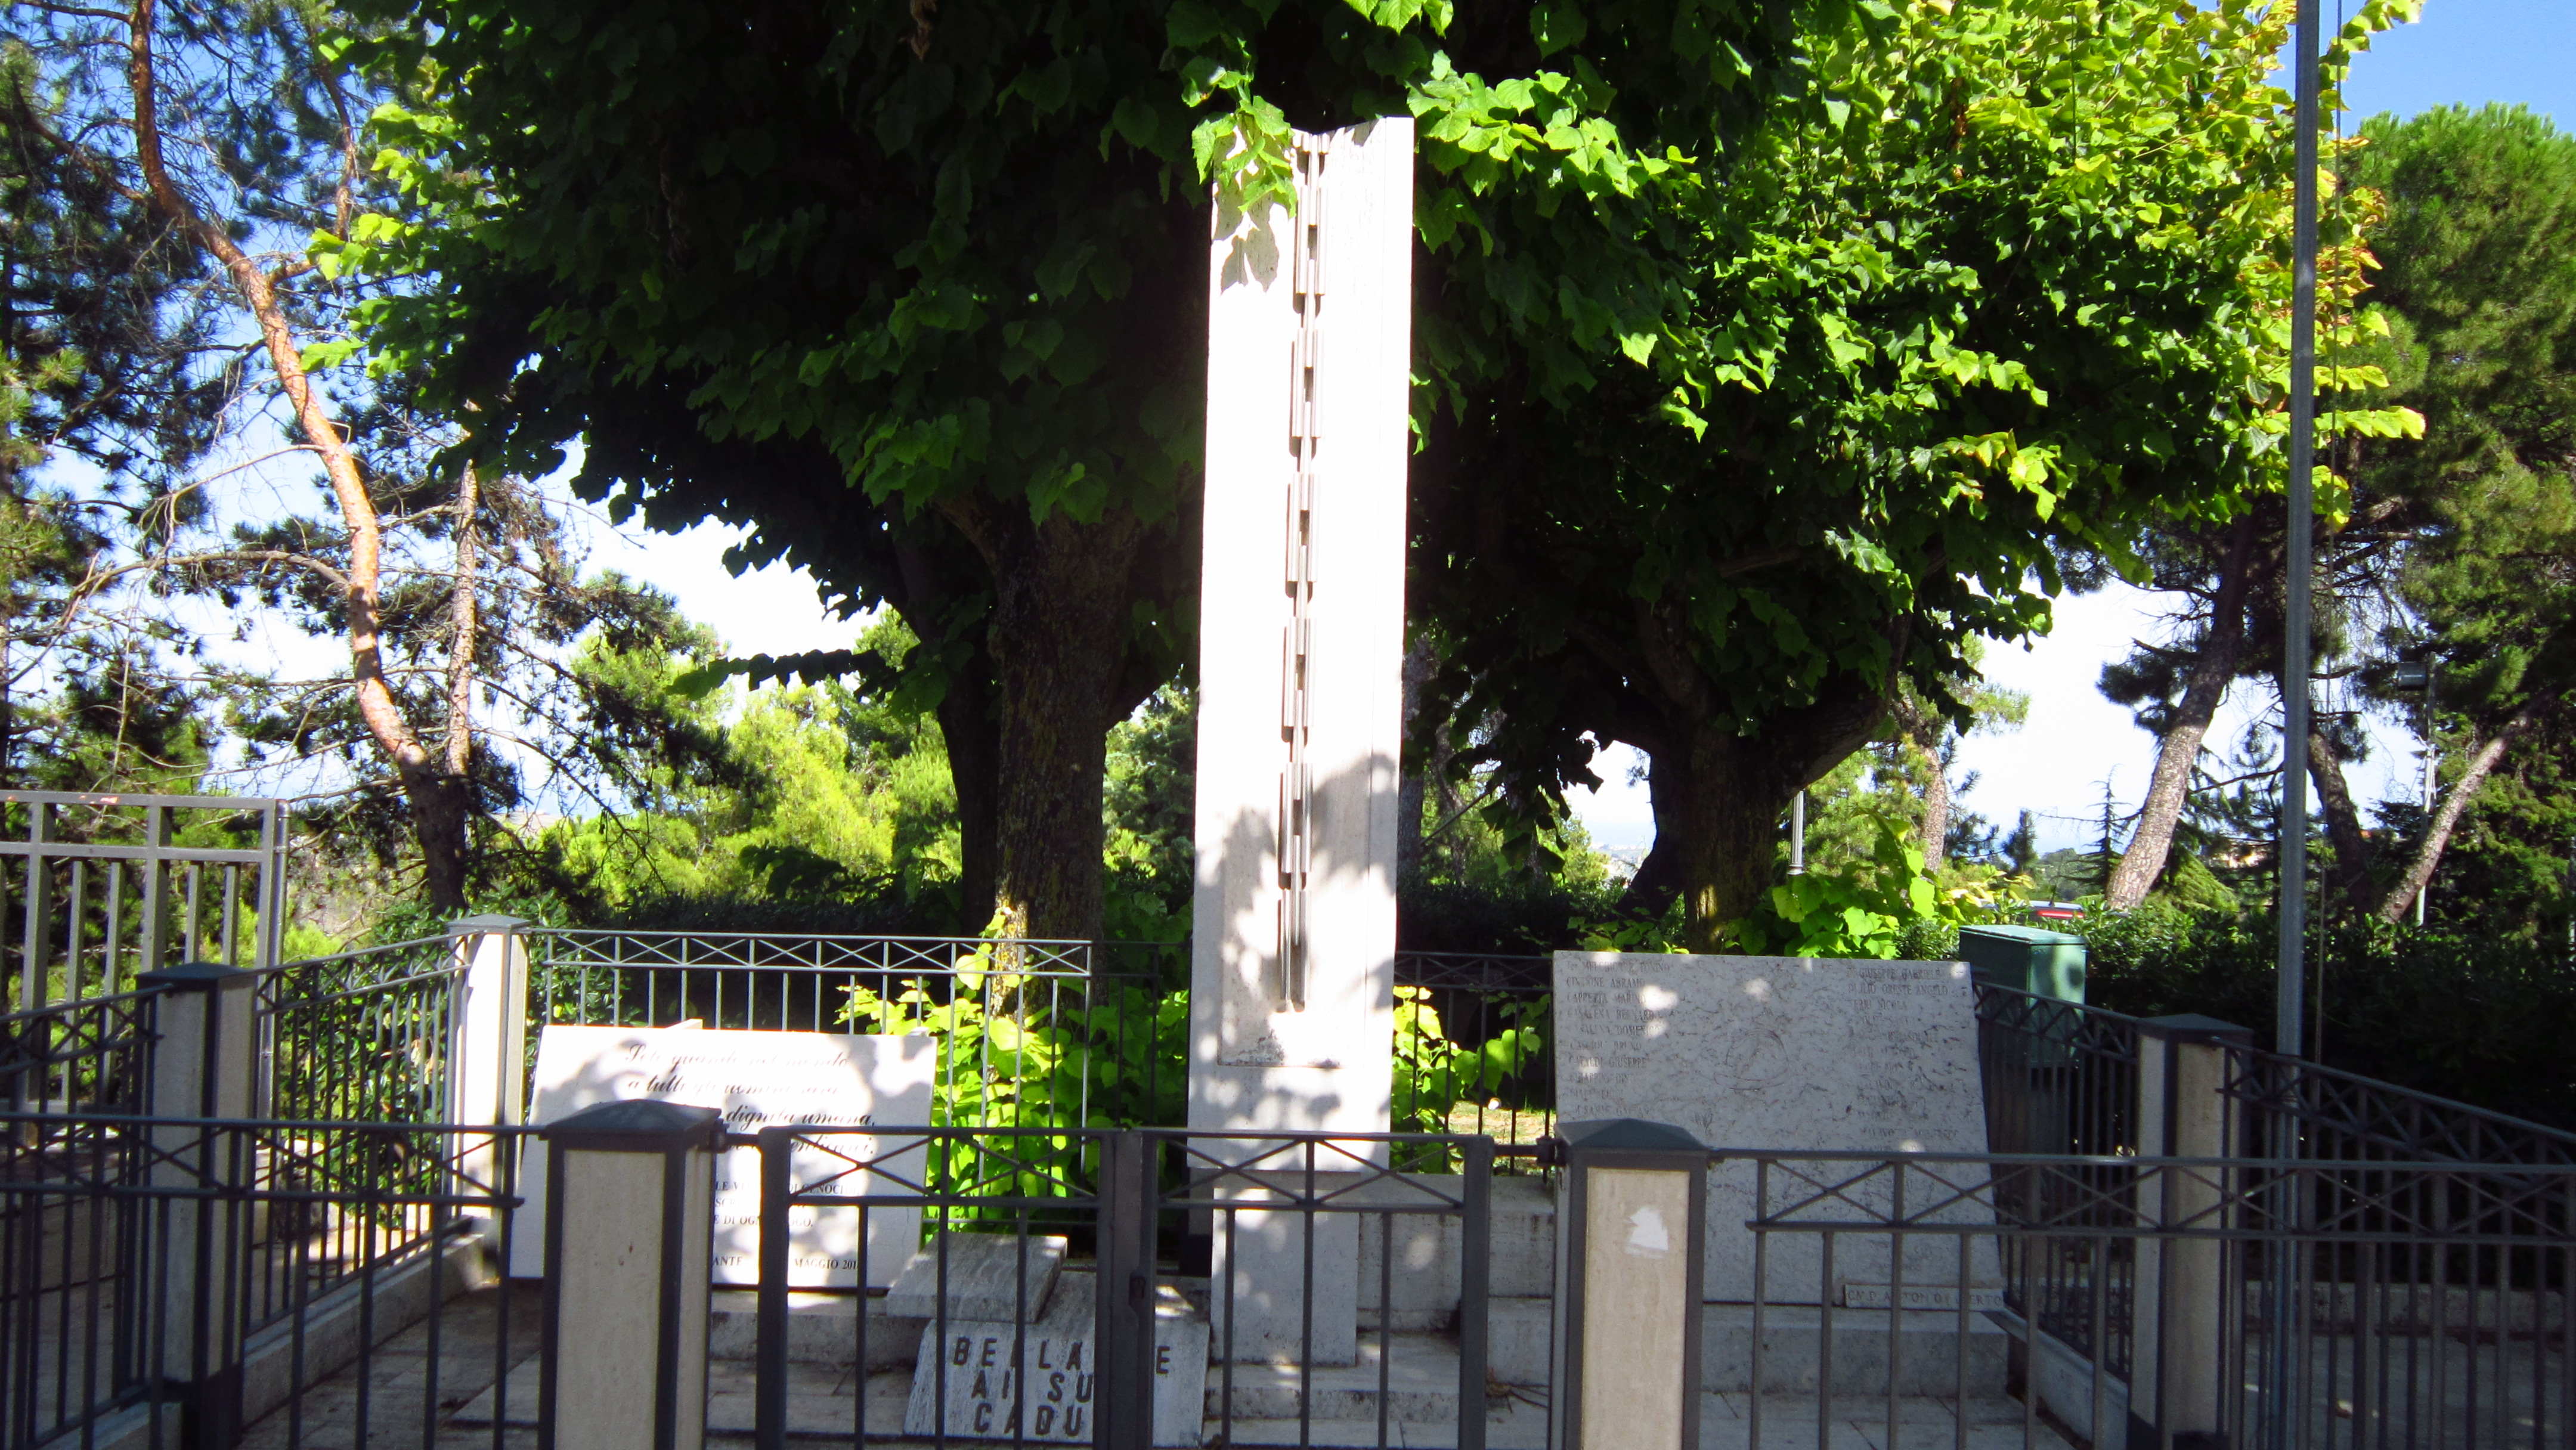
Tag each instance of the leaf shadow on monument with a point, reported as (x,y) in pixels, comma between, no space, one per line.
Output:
(1252,255)
(1353,837)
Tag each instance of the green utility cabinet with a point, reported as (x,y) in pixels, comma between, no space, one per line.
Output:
(2026,959)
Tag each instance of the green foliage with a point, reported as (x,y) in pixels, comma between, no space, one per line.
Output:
(1148,804)
(1021,1052)
(919,299)
(2478,278)
(805,794)
(2443,1011)
(1880,907)
(2018,284)
(1433,1074)
(1508,914)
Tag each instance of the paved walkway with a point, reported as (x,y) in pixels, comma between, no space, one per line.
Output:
(384,1403)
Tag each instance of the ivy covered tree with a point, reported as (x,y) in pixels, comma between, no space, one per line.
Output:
(2018,283)
(917,295)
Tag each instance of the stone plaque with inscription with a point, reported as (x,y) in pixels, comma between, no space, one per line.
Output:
(1793,1053)
(758,1080)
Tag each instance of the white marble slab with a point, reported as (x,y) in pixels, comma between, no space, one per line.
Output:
(1795,1053)
(758,1080)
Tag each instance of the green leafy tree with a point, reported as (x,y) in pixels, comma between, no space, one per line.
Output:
(2018,282)
(112,387)
(2478,265)
(920,297)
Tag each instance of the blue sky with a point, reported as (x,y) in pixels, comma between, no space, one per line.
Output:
(2465,52)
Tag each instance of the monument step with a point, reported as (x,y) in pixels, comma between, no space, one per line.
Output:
(1788,1422)
(822,1329)
(1792,1349)
(1418,1372)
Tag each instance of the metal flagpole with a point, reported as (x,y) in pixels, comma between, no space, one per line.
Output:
(2285,1392)
(2287,1036)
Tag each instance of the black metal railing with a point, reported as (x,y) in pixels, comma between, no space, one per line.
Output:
(165,1281)
(92,1055)
(2296,1108)
(1473,1055)
(2063,1077)
(2267,1302)
(2059,1077)
(363,1035)
(1057,1263)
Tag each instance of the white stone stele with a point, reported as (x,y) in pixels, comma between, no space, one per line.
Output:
(758,1080)
(983,1381)
(1794,1053)
(1253,1065)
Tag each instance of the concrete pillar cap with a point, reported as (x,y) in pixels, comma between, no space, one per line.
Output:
(197,977)
(486,925)
(640,1125)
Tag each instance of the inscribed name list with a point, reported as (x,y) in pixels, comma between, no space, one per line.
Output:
(1794,1053)
(977,1364)
(757,1080)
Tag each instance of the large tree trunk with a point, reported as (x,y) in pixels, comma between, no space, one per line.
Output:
(1728,813)
(1059,644)
(2343,826)
(440,811)
(1719,794)
(1725,803)
(2178,754)
(2437,832)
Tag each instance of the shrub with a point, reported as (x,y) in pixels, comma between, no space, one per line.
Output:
(2474,1018)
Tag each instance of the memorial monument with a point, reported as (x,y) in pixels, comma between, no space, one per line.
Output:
(1301,628)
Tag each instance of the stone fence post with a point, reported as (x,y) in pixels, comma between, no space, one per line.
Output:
(488,1041)
(1631,1250)
(2177,1383)
(205,1064)
(630,1229)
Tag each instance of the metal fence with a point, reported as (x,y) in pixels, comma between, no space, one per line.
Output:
(1031,1033)
(2288,1303)
(2063,1077)
(93,1055)
(100,888)
(1055,1279)
(363,1035)
(2303,1109)
(1472,1045)
(164,1282)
